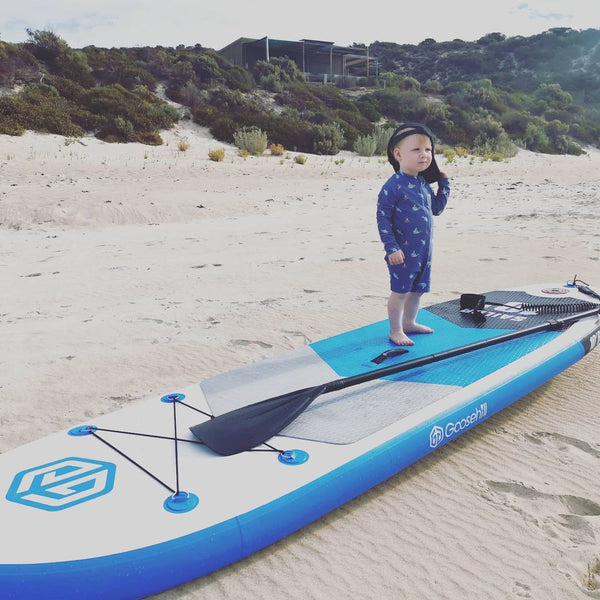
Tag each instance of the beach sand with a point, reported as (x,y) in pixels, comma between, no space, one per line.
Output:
(129,271)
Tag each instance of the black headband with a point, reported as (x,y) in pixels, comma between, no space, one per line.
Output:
(432,173)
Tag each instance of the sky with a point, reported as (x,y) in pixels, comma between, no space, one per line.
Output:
(130,23)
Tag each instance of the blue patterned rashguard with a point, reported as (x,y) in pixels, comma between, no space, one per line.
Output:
(405,210)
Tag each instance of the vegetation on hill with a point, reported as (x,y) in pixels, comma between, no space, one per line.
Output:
(490,96)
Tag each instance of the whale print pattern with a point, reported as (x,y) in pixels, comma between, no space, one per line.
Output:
(405,209)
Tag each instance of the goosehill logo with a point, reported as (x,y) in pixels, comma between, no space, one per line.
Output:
(439,434)
(436,436)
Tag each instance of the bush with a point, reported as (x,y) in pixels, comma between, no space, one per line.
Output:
(276,149)
(252,139)
(329,139)
(500,145)
(294,133)
(129,115)
(238,78)
(535,137)
(216,155)
(300,97)
(222,128)
(125,129)
(333,98)
(382,136)
(39,107)
(448,154)
(9,117)
(277,74)
(151,138)
(400,105)
(365,145)
(368,109)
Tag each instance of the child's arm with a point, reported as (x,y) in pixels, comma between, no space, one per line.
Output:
(386,204)
(440,198)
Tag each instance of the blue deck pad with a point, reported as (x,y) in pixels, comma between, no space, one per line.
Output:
(351,353)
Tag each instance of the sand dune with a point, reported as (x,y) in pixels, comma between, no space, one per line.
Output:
(129,271)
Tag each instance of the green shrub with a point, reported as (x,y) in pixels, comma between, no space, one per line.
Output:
(365,145)
(300,97)
(449,154)
(238,78)
(252,139)
(382,136)
(295,134)
(355,120)
(277,74)
(333,98)
(151,138)
(329,139)
(9,117)
(125,129)
(222,129)
(400,105)
(271,82)
(500,145)
(368,109)
(39,107)
(535,137)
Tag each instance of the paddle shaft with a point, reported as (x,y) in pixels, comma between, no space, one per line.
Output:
(251,425)
(554,324)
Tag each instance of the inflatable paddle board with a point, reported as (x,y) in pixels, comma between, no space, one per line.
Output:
(165,491)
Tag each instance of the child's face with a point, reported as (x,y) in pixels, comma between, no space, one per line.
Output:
(413,153)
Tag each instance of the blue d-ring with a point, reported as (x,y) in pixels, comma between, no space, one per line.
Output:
(83,430)
(170,398)
(293,457)
(181,502)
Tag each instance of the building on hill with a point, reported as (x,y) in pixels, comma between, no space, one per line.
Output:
(319,61)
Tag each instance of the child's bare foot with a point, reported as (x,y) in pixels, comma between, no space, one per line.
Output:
(417,328)
(400,339)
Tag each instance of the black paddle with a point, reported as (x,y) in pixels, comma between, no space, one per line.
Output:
(249,426)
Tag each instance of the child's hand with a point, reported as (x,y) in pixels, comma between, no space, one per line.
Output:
(396,258)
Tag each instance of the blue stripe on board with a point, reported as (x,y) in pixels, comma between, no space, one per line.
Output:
(351,352)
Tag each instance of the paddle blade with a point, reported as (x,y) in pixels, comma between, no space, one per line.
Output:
(249,426)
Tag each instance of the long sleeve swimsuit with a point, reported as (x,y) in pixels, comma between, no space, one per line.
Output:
(405,209)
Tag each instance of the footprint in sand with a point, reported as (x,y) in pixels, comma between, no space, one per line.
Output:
(564,444)
(250,343)
(559,515)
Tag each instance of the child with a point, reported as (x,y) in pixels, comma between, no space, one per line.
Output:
(405,210)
